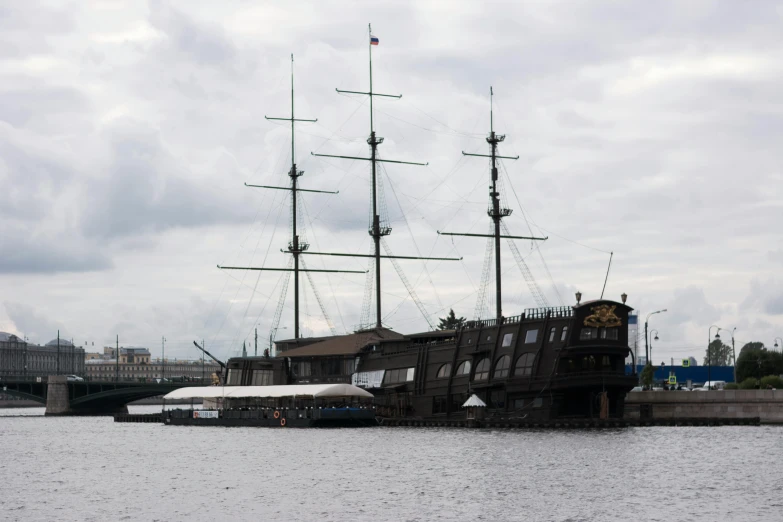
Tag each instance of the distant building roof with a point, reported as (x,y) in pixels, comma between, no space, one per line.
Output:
(135,350)
(343,344)
(5,336)
(63,342)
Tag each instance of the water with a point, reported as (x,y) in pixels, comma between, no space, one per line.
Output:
(79,468)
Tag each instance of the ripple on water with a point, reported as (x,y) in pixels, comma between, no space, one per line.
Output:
(82,468)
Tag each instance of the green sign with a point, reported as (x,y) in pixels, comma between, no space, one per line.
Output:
(672,379)
(686,363)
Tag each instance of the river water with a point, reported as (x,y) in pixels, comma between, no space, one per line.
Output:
(87,468)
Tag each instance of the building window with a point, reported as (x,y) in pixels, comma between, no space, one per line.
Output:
(444,371)
(463,369)
(507,339)
(564,333)
(524,366)
(531,336)
(482,370)
(501,367)
(552,334)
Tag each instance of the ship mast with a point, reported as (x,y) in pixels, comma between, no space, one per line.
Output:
(376,230)
(295,246)
(495,211)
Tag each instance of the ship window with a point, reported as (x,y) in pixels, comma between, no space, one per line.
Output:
(519,404)
(234,374)
(552,334)
(564,333)
(531,336)
(262,378)
(524,366)
(588,333)
(497,399)
(489,338)
(501,367)
(507,339)
(609,333)
(482,370)
(605,362)
(444,371)
(470,341)
(439,404)
(538,402)
(463,369)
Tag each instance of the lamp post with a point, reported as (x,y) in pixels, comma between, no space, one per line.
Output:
(733,353)
(162,359)
(781,343)
(652,332)
(646,338)
(709,353)
(271,336)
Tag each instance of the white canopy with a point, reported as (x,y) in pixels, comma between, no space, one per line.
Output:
(291,390)
(475,402)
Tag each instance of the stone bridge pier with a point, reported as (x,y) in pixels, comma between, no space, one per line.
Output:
(58,401)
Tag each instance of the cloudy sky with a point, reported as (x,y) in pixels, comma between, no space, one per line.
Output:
(127,130)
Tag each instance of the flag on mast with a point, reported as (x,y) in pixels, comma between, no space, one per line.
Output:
(373,40)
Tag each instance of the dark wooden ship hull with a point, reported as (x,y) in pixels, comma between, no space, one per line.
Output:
(543,365)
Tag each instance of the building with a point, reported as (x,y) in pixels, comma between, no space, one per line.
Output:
(135,365)
(19,358)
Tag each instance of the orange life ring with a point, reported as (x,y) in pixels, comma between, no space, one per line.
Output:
(282,422)
(277,414)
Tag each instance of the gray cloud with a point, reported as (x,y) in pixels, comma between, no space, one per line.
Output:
(649,130)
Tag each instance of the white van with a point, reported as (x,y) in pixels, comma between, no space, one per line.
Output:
(714,385)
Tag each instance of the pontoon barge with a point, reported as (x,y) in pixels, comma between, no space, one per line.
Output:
(297,406)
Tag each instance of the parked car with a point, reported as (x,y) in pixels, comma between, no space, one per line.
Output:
(637,389)
(73,378)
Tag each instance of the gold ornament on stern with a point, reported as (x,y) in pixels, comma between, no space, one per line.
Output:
(603,316)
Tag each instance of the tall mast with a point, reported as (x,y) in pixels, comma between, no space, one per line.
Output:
(376,231)
(495,212)
(295,247)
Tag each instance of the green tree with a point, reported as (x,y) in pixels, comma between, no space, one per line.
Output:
(754,345)
(648,375)
(755,362)
(718,354)
(451,321)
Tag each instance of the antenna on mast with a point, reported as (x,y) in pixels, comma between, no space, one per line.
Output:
(295,246)
(376,229)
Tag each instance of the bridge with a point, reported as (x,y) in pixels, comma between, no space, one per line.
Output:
(64,397)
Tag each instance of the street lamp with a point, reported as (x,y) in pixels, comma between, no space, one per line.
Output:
(733,353)
(271,335)
(646,338)
(651,340)
(781,343)
(709,353)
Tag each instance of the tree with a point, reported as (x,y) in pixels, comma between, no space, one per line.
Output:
(451,321)
(718,354)
(753,345)
(648,374)
(755,362)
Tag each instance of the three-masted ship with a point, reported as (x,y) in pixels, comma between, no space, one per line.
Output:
(542,364)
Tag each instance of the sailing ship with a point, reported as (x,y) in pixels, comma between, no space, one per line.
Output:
(542,364)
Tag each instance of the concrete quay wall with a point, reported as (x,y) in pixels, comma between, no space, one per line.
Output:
(767,405)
